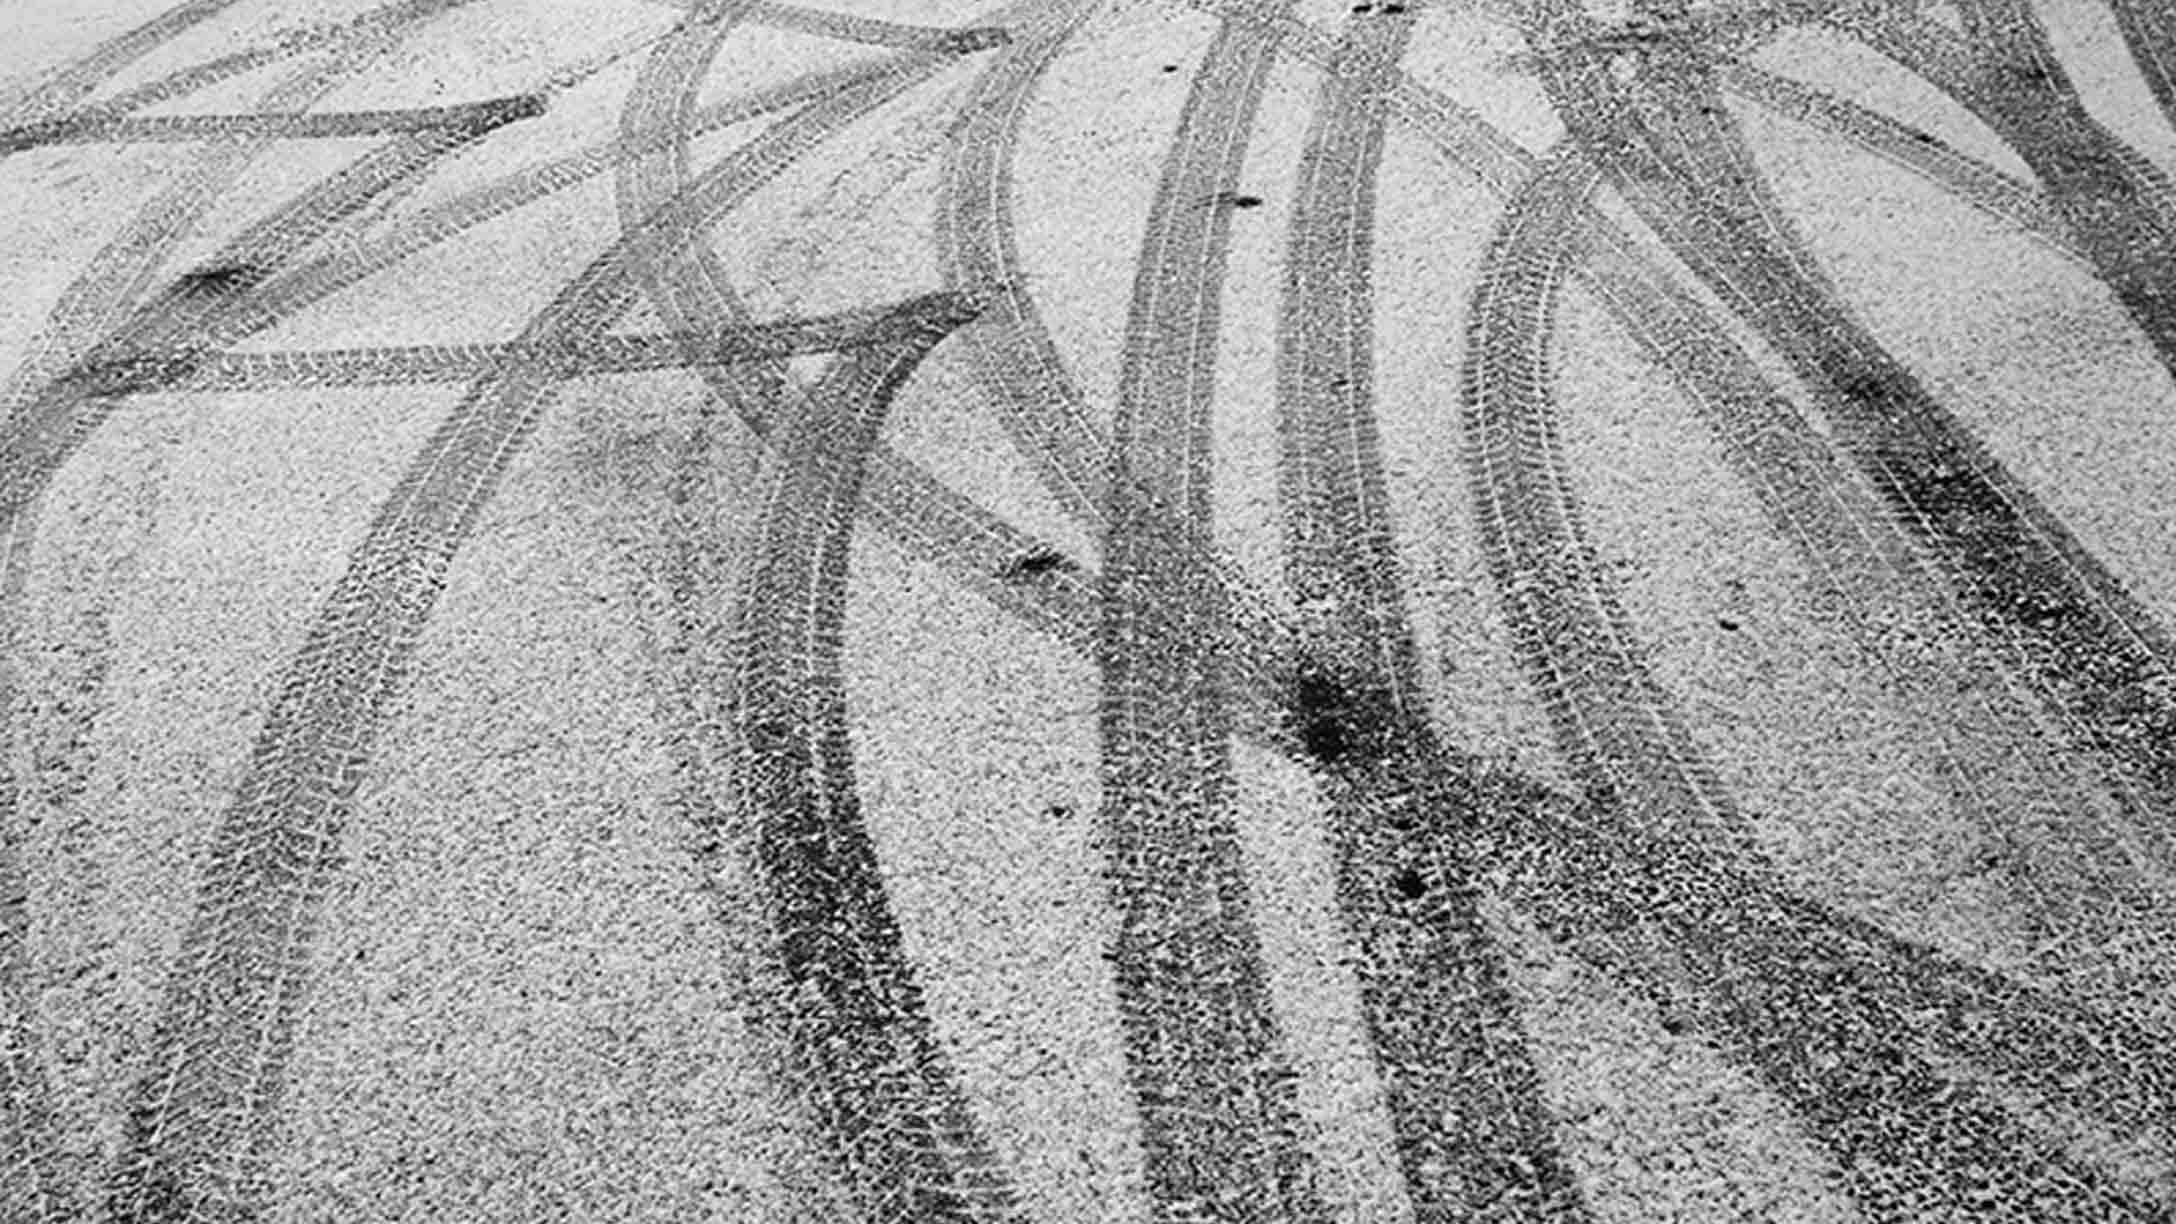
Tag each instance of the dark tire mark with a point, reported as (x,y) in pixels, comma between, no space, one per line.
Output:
(2067,630)
(124,129)
(1221,1136)
(1662,883)
(204,1108)
(863,1054)
(1465,1103)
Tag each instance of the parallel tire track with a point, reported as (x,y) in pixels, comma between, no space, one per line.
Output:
(1809,1004)
(1465,1103)
(859,1056)
(862,1051)
(204,1108)
(2102,669)
(1040,407)
(1220,1131)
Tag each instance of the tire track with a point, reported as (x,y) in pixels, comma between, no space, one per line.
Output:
(43,426)
(2149,31)
(1221,1135)
(204,1108)
(2061,625)
(863,1055)
(69,86)
(1709,940)
(1972,181)
(874,31)
(122,129)
(857,1054)
(201,369)
(1992,730)
(2119,207)
(1040,407)
(1465,1100)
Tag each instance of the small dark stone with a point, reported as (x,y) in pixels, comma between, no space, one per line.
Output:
(1726,622)
(1243,201)
(1038,563)
(1411,885)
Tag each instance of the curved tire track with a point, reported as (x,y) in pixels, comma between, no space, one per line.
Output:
(1802,999)
(204,1108)
(863,1055)
(1472,1130)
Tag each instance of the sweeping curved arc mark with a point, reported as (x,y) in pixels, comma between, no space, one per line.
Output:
(1220,1127)
(863,1052)
(1964,177)
(204,1108)
(1768,978)
(79,80)
(2119,206)
(1040,406)
(1464,1098)
(2099,663)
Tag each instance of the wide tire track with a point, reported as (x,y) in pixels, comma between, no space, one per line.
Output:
(862,1055)
(1221,1138)
(1465,1100)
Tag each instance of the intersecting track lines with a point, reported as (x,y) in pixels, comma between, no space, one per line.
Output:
(1221,1138)
(861,1051)
(204,1107)
(2120,208)
(2100,666)
(1473,1134)
(1662,883)
(48,416)
(65,88)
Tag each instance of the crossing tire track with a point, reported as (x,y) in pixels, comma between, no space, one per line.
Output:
(1221,1137)
(1464,1098)
(863,1054)
(2102,671)
(204,1109)
(1708,939)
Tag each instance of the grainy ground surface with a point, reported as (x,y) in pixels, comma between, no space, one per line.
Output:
(1079,610)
